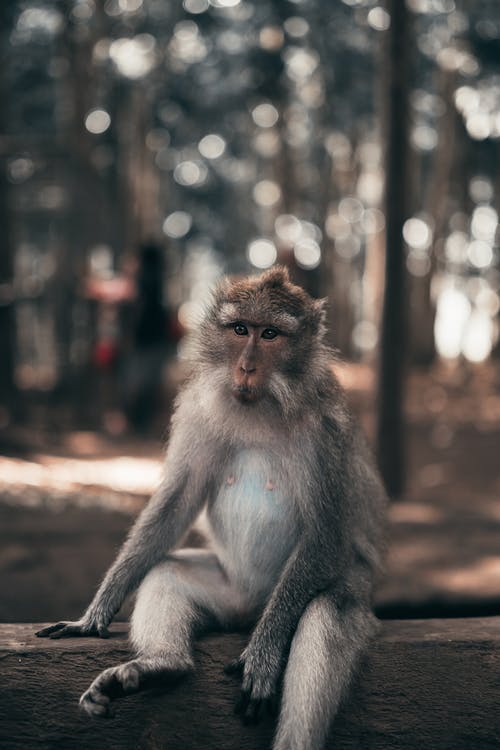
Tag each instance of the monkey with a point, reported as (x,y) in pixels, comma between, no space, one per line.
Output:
(262,441)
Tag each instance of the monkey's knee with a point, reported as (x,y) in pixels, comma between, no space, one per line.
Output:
(335,629)
(155,584)
(163,616)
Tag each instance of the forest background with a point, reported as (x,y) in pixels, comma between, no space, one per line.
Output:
(147,148)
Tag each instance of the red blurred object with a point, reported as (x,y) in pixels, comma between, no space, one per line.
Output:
(105,353)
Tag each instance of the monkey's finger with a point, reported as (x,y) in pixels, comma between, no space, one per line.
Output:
(44,632)
(68,630)
(96,705)
(253,712)
(96,710)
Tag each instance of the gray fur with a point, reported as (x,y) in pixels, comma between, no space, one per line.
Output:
(293,508)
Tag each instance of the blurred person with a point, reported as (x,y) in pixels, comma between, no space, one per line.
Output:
(149,342)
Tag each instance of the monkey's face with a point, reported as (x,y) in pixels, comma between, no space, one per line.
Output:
(259,334)
(257,352)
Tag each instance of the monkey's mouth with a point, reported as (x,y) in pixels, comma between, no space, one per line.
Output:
(246,394)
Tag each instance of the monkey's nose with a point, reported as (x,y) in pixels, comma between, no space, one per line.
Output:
(246,368)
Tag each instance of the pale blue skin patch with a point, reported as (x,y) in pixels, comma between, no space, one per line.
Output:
(253,521)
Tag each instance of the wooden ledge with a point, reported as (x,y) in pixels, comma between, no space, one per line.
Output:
(426,684)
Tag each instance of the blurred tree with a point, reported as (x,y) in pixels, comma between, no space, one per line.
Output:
(247,133)
(7,335)
(394,332)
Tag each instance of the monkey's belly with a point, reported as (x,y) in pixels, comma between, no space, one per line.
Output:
(253,521)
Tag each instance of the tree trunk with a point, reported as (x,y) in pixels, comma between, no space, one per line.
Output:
(390,432)
(7,339)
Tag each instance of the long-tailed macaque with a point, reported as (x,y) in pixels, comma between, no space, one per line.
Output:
(262,439)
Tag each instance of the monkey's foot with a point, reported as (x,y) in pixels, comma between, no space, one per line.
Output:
(128,678)
(114,682)
(259,694)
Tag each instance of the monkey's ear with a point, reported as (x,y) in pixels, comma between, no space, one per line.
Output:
(275,276)
(318,315)
(221,290)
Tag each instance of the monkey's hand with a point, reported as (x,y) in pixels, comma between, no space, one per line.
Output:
(260,667)
(66,629)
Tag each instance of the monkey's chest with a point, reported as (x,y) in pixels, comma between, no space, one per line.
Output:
(252,516)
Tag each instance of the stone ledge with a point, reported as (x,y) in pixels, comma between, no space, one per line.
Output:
(425,684)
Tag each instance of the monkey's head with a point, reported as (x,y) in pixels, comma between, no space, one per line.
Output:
(264,333)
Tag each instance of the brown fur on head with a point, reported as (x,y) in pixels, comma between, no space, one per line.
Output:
(270,294)
(265,331)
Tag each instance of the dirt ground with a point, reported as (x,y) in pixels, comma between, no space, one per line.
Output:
(66,503)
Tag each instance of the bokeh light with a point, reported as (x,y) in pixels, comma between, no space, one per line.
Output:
(378,18)
(190,173)
(212,146)
(97,121)
(307,253)
(480,254)
(417,233)
(452,313)
(262,253)
(266,193)
(20,169)
(265,115)
(296,27)
(484,223)
(195,6)
(177,224)
(134,58)
(288,228)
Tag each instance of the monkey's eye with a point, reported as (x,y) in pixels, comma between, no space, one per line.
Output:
(269,333)
(240,329)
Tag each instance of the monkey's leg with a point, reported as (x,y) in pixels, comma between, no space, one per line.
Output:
(324,652)
(177,599)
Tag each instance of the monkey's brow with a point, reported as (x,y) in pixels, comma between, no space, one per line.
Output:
(230,313)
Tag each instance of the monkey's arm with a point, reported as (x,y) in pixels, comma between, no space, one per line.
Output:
(169,513)
(320,562)
(157,529)
(263,660)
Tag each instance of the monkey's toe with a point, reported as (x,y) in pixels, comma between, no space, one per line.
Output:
(249,709)
(254,710)
(129,677)
(114,682)
(95,703)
